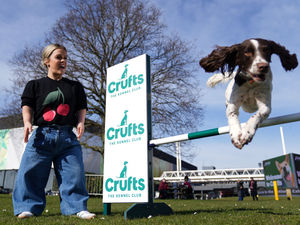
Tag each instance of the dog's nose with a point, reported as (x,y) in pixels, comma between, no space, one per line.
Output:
(263,67)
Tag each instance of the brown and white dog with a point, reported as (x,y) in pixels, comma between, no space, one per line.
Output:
(251,84)
(286,173)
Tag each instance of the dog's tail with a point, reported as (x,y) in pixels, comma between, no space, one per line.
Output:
(219,77)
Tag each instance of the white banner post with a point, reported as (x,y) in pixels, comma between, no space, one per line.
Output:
(128,173)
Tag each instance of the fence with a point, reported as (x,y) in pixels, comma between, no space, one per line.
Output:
(94,184)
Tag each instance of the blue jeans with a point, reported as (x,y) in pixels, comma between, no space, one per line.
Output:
(241,195)
(57,144)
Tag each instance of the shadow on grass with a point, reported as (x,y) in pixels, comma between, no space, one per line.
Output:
(279,214)
(219,211)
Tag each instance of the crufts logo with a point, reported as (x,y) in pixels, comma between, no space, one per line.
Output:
(125,82)
(125,129)
(122,183)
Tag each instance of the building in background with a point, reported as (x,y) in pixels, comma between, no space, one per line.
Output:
(165,162)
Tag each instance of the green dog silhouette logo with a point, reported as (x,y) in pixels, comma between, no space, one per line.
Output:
(124,75)
(123,173)
(124,120)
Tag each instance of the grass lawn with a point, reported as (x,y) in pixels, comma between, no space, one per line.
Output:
(218,211)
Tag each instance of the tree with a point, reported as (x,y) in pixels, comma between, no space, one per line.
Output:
(101,33)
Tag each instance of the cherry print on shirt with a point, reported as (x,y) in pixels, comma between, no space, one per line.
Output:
(49,114)
(62,109)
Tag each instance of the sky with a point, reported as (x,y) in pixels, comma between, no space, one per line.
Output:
(204,23)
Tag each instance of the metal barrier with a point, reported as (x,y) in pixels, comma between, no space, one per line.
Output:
(94,184)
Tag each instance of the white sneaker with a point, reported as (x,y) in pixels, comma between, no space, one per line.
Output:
(85,215)
(24,215)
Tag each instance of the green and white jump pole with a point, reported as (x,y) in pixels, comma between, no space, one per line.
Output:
(224,130)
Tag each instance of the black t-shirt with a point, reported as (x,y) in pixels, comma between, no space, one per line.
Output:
(54,102)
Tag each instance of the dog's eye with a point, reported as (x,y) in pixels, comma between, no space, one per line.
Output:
(248,54)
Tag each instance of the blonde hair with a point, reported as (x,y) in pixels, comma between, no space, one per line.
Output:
(48,50)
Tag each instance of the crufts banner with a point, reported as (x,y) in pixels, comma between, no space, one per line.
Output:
(284,169)
(126,132)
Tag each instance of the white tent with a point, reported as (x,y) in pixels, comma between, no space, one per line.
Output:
(11,148)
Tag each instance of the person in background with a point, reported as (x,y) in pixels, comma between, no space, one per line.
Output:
(188,190)
(253,189)
(163,189)
(240,190)
(55,104)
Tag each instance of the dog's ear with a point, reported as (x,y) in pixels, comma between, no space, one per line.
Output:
(287,159)
(221,58)
(278,166)
(288,61)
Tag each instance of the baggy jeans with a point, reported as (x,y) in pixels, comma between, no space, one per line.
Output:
(57,144)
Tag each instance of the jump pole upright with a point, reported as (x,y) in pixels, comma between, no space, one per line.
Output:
(224,130)
(128,176)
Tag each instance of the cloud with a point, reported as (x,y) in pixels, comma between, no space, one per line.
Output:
(24,22)
(225,22)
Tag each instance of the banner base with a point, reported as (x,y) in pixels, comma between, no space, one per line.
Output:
(145,210)
(106,209)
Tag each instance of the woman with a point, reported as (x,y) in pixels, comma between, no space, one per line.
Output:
(56,105)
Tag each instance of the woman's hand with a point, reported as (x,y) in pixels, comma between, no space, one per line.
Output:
(80,130)
(27,115)
(27,131)
(80,126)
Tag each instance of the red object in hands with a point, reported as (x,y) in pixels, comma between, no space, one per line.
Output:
(49,114)
(63,109)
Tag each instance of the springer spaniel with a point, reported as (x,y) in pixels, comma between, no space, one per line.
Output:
(251,84)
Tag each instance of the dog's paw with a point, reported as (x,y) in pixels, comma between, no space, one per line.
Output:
(237,144)
(247,135)
(235,136)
